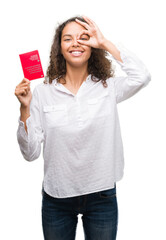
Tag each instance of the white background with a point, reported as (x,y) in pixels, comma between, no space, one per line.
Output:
(139,25)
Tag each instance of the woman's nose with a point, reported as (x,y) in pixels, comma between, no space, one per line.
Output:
(74,42)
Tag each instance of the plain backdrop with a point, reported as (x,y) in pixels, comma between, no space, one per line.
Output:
(139,26)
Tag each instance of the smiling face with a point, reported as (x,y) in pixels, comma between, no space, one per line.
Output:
(75,54)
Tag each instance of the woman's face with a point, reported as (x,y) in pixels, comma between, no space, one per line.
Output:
(74,53)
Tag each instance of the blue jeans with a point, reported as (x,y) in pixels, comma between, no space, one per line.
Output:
(99,216)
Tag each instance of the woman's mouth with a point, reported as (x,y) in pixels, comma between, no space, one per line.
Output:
(76,53)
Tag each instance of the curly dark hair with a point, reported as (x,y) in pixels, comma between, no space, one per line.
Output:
(99,66)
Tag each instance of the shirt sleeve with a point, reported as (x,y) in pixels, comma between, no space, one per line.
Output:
(137,75)
(30,141)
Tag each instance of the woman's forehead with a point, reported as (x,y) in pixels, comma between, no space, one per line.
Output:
(72,28)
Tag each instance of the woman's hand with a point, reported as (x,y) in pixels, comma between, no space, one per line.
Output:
(96,38)
(23,93)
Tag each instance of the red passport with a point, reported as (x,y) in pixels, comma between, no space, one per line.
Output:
(31,65)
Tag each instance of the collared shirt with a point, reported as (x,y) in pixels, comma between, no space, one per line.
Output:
(81,136)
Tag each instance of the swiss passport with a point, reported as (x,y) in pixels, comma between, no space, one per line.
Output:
(31,65)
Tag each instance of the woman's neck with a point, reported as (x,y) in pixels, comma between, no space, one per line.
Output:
(76,76)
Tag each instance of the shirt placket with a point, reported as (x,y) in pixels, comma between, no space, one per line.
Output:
(78,112)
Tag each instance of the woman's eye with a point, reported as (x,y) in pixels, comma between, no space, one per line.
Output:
(67,39)
(83,38)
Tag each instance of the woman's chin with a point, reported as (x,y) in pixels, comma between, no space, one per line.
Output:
(77,63)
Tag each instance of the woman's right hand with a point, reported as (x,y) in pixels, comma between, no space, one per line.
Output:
(23,93)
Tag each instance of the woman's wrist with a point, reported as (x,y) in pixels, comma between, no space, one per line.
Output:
(24,107)
(105,43)
(112,49)
(25,112)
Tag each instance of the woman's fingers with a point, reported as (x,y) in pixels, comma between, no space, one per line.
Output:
(22,88)
(83,32)
(23,92)
(19,91)
(88,20)
(83,42)
(85,25)
(24,84)
(84,37)
(25,80)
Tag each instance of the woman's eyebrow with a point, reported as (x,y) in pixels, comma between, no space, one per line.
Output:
(69,35)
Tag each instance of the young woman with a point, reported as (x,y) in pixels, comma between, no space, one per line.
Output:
(74,114)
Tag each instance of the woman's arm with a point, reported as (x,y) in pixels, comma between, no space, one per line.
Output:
(24,95)
(137,74)
(97,39)
(29,133)
(112,49)
(137,77)
(24,114)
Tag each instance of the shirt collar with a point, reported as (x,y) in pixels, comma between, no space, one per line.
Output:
(86,81)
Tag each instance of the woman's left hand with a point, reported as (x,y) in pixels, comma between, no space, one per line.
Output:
(96,38)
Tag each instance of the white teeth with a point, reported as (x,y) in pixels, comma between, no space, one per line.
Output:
(76,53)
